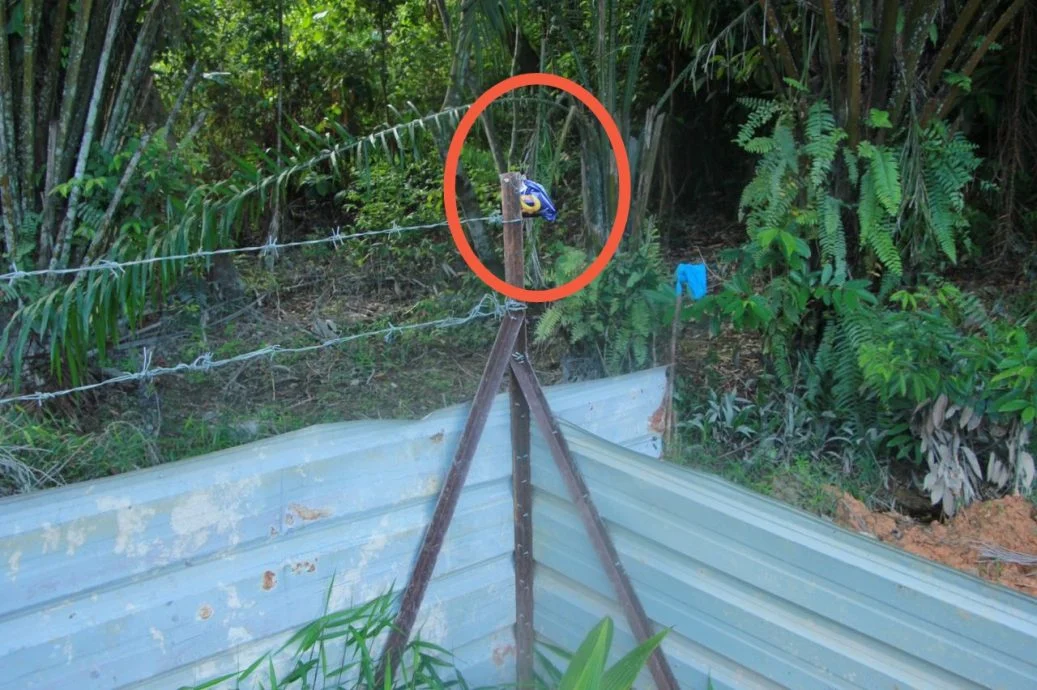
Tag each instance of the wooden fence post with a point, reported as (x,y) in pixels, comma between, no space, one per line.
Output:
(515,274)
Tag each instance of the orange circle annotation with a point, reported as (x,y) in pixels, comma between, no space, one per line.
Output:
(450,192)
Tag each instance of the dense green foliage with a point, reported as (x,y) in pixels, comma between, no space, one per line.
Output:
(614,318)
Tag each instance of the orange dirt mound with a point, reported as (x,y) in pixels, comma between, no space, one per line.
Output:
(1008,524)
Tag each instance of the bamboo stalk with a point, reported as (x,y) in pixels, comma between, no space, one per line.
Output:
(783,47)
(51,73)
(131,77)
(492,140)
(834,50)
(63,245)
(1002,23)
(768,58)
(31,9)
(514,107)
(670,423)
(854,57)
(178,105)
(950,44)
(651,138)
(916,32)
(62,144)
(642,19)
(102,235)
(199,120)
(990,10)
(7,200)
(8,135)
(49,180)
(465,192)
(887,37)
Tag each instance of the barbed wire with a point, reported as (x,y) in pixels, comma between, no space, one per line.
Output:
(488,306)
(272,246)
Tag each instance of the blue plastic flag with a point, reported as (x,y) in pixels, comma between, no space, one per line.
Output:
(694,277)
(535,202)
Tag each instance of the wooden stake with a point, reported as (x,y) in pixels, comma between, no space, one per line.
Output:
(592,522)
(489,385)
(671,379)
(515,274)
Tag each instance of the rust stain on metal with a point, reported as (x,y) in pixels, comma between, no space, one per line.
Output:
(437,438)
(657,422)
(269,580)
(309,514)
(501,653)
(204,612)
(303,567)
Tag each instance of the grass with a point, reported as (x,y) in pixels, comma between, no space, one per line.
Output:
(179,417)
(131,426)
(776,448)
(338,651)
(341,651)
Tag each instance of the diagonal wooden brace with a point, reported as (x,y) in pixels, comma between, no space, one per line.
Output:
(635,613)
(489,386)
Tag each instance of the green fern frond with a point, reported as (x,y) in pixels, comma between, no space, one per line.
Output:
(759,145)
(822,142)
(832,238)
(876,227)
(882,243)
(761,111)
(885,169)
(852,168)
(548,324)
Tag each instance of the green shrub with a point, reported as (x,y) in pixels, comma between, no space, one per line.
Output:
(955,386)
(834,234)
(617,317)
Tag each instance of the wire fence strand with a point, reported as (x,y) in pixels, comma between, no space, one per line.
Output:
(272,246)
(488,306)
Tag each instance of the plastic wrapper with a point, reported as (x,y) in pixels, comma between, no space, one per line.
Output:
(535,201)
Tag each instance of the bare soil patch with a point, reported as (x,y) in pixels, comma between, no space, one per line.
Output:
(986,539)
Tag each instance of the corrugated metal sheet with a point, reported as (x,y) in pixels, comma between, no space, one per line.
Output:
(175,574)
(760,595)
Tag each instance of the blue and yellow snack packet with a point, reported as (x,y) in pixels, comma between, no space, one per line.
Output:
(535,202)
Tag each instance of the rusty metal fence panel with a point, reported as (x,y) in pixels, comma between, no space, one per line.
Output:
(175,574)
(760,595)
